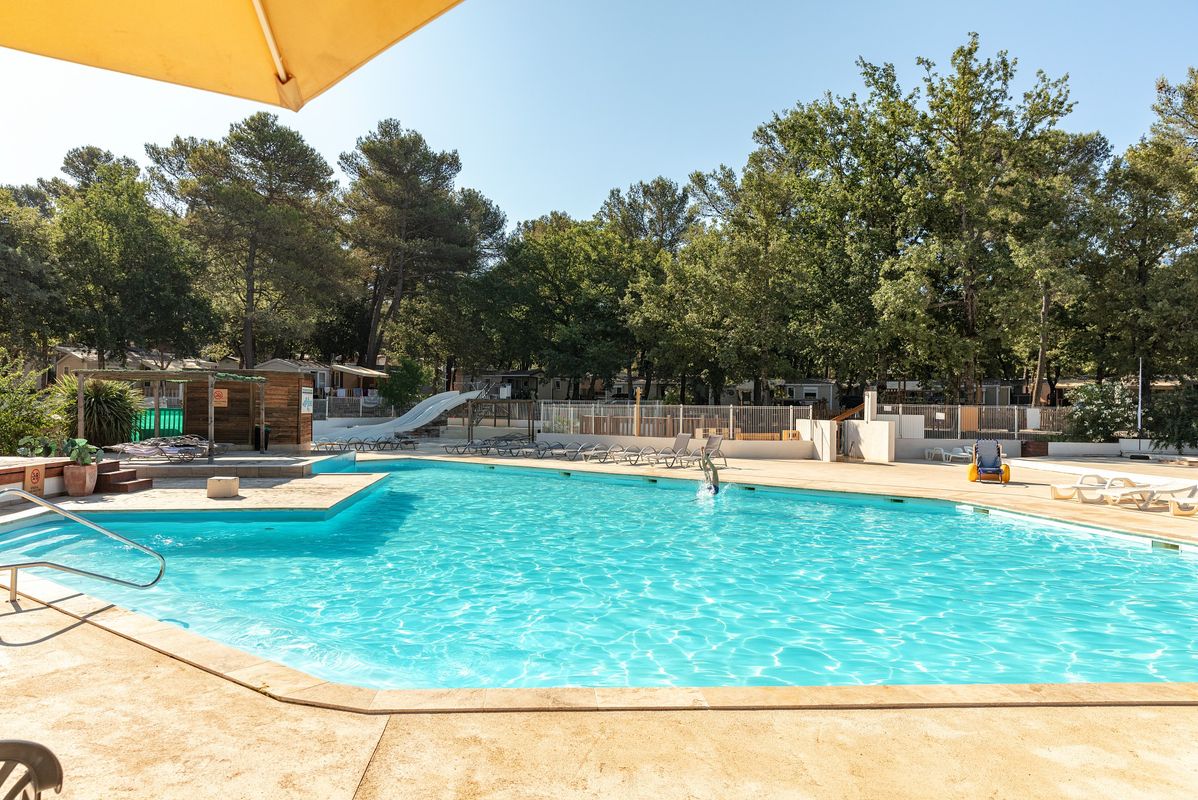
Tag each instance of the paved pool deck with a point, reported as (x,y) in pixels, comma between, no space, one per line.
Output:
(129,720)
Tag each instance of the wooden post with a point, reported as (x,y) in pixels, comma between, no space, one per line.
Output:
(80,380)
(532,434)
(211,415)
(157,408)
(636,414)
(470,420)
(262,414)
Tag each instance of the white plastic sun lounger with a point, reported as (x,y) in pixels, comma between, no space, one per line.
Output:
(1144,496)
(957,453)
(1088,488)
(1183,506)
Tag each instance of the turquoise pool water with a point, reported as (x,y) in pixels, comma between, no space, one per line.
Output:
(460,576)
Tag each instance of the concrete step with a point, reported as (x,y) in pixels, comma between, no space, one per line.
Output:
(116,476)
(124,487)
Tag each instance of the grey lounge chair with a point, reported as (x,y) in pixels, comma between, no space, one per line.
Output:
(27,769)
(669,455)
(710,448)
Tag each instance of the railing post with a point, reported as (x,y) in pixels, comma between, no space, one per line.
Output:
(731,431)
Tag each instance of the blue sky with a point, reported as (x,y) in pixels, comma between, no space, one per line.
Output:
(551,103)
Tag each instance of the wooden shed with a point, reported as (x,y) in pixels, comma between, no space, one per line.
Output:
(236,409)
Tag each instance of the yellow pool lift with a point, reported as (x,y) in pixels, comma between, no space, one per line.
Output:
(281,52)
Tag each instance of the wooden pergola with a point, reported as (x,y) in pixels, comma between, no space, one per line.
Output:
(158,376)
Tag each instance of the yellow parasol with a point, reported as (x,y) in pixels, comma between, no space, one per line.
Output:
(282,52)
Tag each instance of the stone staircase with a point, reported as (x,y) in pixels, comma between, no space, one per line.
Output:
(112,479)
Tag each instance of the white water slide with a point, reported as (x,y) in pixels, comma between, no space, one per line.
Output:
(422,413)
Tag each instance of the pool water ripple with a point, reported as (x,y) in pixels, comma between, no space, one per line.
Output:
(456,576)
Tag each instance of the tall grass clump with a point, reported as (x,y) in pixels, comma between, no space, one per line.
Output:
(110,408)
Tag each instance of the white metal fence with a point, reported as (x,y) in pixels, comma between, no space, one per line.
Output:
(659,419)
(924,421)
(326,407)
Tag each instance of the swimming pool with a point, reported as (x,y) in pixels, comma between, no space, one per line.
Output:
(462,575)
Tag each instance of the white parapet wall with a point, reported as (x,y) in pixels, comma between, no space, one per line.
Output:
(54,486)
(822,433)
(871,441)
(800,449)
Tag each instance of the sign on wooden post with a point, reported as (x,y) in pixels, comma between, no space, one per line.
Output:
(306,401)
(220,398)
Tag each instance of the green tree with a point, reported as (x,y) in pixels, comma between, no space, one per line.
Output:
(260,204)
(404,381)
(30,299)
(976,140)
(128,276)
(409,222)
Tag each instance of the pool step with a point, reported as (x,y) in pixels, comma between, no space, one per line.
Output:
(112,478)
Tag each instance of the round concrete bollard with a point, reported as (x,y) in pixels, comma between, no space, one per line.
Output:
(223,487)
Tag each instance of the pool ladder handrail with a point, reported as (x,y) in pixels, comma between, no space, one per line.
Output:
(57,509)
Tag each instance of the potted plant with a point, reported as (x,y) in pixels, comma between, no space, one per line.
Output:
(80,475)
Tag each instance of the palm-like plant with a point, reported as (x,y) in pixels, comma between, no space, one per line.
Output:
(109,409)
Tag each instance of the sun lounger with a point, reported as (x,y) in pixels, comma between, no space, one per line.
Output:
(710,449)
(573,451)
(956,454)
(1183,506)
(1087,488)
(1144,496)
(603,454)
(669,455)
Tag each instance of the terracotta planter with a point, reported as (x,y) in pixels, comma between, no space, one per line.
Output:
(80,481)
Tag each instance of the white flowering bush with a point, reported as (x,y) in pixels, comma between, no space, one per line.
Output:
(1102,411)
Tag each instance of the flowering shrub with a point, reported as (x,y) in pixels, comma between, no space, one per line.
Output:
(1101,411)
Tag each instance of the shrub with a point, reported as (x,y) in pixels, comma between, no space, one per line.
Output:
(1173,419)
(109,409)
(1101,411)
(25,410)
(404,382)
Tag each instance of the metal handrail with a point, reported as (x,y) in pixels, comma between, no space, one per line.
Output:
(57,509)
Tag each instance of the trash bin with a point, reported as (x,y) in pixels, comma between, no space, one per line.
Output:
(259,442)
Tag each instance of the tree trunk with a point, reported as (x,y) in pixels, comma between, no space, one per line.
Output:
(1042,356)
(247,320)
(450,372)
(377,340)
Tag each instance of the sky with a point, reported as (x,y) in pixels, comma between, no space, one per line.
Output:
(552,103)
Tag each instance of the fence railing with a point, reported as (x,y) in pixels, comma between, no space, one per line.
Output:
(659,419)
(927,421)
(326,407)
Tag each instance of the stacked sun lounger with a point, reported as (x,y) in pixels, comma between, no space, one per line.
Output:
(1181,497)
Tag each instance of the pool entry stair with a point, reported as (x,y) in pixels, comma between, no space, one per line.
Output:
(112,478)
(13,567)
